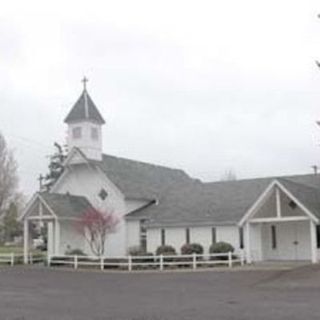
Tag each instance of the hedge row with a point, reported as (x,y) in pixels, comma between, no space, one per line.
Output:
(187,249)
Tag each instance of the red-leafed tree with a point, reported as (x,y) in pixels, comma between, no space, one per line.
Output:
(95,226)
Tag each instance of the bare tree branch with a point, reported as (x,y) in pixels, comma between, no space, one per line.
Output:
(229,175)
(95,226)
(8,176)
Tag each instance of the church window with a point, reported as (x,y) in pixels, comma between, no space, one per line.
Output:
(318,236)
(213,235)
(241,240)
(103,194)
(187,235)
(143,235)
(273,237)
(163,237)
(76,132)
(94,134)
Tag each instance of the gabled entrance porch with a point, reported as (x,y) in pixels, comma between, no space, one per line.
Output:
(280,226)
(39,212)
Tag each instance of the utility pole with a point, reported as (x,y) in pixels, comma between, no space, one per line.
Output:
(40,179)
(315,169)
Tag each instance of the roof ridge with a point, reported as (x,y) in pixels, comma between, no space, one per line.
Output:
(146,163)
(259,178)
(299,184)
(66,195)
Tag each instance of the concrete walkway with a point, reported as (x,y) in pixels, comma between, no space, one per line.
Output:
(277,265)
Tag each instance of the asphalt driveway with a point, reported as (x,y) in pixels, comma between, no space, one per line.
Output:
(47,294)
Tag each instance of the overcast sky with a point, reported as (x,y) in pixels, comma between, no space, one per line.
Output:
(205,86)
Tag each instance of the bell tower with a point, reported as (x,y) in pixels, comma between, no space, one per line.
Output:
(85,126)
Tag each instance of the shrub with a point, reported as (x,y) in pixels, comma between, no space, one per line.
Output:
(136,251)
(190,248)
(166,250)
(221,247)
(75,252)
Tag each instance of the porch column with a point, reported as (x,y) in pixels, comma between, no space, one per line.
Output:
(50,237)
(278,202)
(247,243)
(56,237)
(313,242)
(25,240)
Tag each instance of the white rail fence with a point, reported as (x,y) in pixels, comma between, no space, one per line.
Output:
(160,262)
(16,258)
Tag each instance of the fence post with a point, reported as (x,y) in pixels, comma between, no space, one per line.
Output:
(129,263)
(101,263)
(75,261)
(194,261)
(49,259)
(230,259)
(241,258)
(12,259)
(161,262)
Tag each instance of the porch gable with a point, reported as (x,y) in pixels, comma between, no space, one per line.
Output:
(277,203)
(38,209)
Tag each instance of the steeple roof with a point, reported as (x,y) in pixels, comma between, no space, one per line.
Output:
(84,110)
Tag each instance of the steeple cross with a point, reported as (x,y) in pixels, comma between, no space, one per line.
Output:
(84,81)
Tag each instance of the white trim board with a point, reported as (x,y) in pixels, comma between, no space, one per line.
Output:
(35,198)
(264,197)
(276,219)
(258,203)
(297,201)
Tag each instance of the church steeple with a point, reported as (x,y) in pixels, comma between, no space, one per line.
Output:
(84,126)
(84,108)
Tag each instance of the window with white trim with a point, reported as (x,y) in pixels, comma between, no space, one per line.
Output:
(213,235)
(143,235)
(273,237)
(187,235)
(77,133)
(241,240)
(318,236)
(94,133)
(163,237)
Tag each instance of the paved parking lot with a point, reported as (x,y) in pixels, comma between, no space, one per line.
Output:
(47,294)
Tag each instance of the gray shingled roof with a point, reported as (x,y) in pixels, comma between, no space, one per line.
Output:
(66,205)
(84,109)
(182,200)
(307,194)
(223,202)
(141,180)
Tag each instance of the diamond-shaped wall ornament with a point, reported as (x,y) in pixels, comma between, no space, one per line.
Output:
(103,194)
(292,204)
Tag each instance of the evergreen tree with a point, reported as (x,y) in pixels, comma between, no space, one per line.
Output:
(11,227)
(8,176)
(56,167)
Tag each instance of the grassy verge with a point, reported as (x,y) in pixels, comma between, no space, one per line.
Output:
(16,250)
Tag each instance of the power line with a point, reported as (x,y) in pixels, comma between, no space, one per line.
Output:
(28,140)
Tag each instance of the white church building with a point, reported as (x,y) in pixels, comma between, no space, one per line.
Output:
(274,218)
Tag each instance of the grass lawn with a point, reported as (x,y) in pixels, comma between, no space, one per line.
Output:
(17,250)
